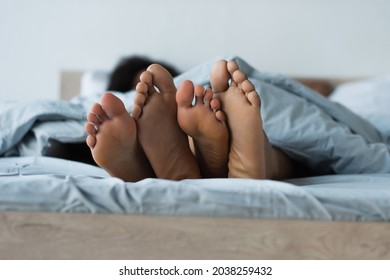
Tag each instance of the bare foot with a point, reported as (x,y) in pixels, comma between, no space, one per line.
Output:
(165,144)
(251,155)
(112,138)
(205,123)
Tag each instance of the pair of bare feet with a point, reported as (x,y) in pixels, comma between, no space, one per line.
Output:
(185,133)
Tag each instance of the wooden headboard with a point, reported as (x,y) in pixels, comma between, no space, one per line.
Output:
(70,84)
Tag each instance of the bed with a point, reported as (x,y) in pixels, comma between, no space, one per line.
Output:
(55,206)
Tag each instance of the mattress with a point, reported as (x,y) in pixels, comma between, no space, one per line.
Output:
(57,185)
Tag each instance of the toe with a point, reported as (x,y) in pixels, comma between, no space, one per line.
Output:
(254,98)
(91,141)
(91,128)
(220,76)
(220,116)
(146,78)
(239,77)
(140,98)
(247,86)
(216,107)
(250,92)
(142,88)
(232,66)
(208,95)
(136,112)
(162,79)
(93,118)
(215,104)
(112,105)
(98,111)
(199,94)
(185,94)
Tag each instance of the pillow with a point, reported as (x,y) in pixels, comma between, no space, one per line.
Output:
(94,82)
(369,99)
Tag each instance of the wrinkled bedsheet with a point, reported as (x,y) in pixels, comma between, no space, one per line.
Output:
(57,185)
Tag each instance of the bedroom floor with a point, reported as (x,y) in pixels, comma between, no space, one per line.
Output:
(100,236)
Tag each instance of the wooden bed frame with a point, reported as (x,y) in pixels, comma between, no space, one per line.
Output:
(35,235)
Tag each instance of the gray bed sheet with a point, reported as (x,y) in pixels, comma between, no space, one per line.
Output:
(57,185)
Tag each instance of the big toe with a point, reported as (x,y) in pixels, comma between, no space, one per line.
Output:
(220,76)
(185,94)
(162,79)
(112,105)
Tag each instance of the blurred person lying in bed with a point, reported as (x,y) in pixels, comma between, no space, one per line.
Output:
(205,139)
(126,73)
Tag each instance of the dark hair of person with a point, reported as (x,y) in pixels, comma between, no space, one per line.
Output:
(125,75)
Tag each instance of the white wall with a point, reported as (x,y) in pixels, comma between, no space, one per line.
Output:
(329,38)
